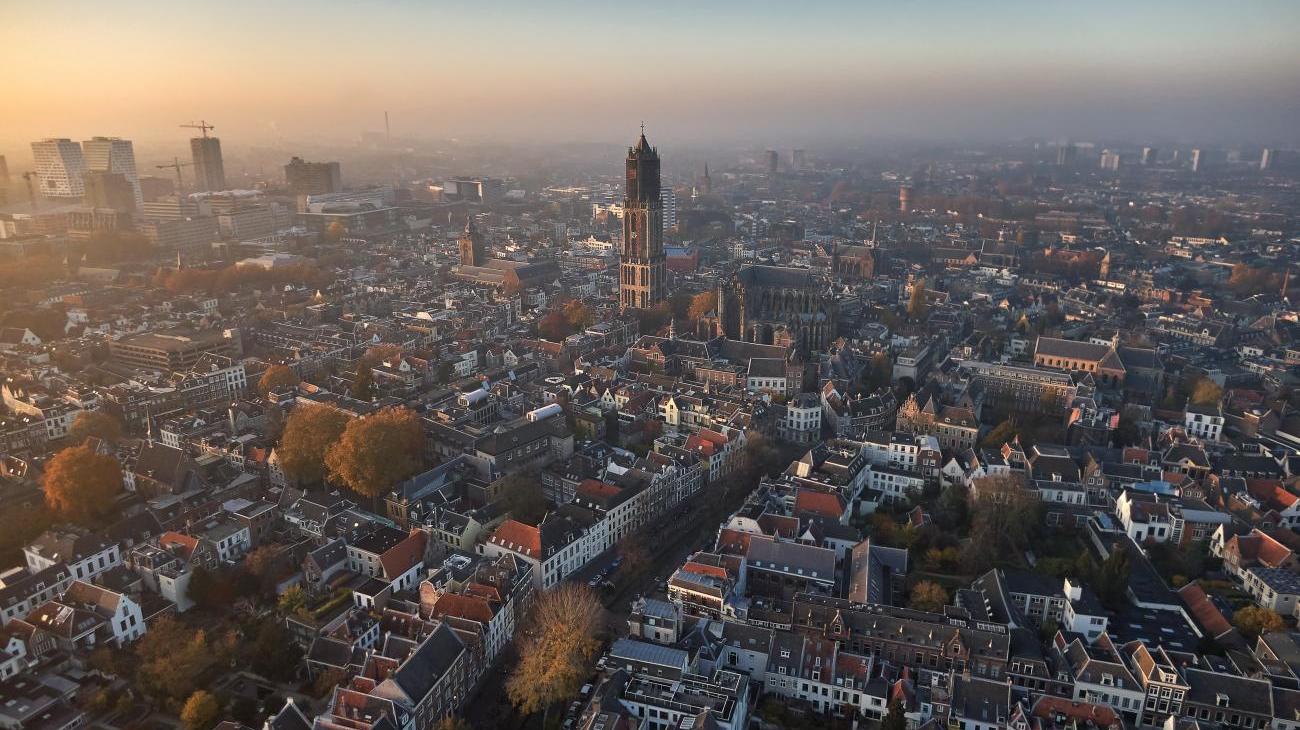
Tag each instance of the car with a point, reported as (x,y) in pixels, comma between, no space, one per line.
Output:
(586,690)
(595,581)
(601,664)
(617,562)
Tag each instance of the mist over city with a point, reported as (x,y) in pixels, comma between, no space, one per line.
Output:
(685,366)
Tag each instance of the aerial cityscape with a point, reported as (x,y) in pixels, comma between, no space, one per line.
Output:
(409,366)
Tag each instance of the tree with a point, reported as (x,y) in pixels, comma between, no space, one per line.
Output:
(327,681)
(268,564)
(363,383)
(702,304)
(273,653)
(80,484)
(451,722)
(308,435)
(928,596)
(896,718)
(1000,434)
(201,711)
(577,315)
(276,377)
(555,655)
(632,550)
(94,423)
(1206,392)
(293,600)
(1112,579)
(169,659)
(554,326)
(1004,515)
(521,492)
(1255,621)
(378,451)
(917,305)
(879,374)
(212,588)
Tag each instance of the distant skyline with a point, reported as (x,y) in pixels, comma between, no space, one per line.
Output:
(784,74)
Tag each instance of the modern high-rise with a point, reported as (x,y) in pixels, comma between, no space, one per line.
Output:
(209,173)
(60,167)
(668,200)
(114,155)
(1267,159)
(1196,160)
(110,190)
(641,271)
(4,172)
(312,178)
(799,159)
(1149,155)
(773,162)
(1110,160)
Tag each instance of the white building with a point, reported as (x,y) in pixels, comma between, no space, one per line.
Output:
(114,154)
(60,167)
(1205,423)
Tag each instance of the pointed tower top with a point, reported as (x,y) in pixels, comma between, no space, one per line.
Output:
(643,145)
(469,224)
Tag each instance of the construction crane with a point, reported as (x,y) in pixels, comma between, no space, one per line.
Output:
(200,125)
(176,165)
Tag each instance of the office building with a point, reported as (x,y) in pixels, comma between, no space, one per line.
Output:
(60,168)
(1149,155)
(175,349)
(114,155)
(473,189)
(904,199)
(180,234)
(1065,155)
(668,201)
(209,172)
(1196,160)
(1267,159)
(312,178)
(641,273)
(773,162)
(1109,160)
(799,160)
(4,172)
(104,189)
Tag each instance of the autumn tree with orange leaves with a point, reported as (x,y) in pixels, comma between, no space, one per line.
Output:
(378,451)
(80,484)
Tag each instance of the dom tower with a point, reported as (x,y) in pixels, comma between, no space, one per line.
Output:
(641,274)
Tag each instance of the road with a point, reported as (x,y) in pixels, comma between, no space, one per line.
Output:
(687,529)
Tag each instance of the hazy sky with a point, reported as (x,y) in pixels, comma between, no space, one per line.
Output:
(782,73)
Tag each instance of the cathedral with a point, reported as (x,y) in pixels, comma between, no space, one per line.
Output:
(778,305)
(641,283)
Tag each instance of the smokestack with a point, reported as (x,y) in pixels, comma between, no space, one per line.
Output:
(388,131)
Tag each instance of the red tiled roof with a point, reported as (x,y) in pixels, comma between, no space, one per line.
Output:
(473,608)
(399,558)
(1048,707)
(515,535)
(597,488)
(1204,610)
(825,504)
(733,541)
(1270,493)
(702,569)
(187,543)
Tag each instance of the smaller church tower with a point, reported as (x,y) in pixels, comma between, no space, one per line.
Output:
(473,250)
